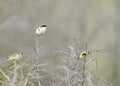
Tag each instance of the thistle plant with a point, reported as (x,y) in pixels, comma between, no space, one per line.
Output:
(39,32)
(73,69)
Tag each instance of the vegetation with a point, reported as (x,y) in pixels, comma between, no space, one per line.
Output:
(73,70)
(64,55)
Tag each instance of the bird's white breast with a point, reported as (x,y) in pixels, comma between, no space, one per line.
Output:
(40,30)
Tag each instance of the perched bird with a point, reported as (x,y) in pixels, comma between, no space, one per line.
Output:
(41,30)
(15,57)
(83,54)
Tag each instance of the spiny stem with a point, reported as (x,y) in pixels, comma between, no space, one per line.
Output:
(84,62)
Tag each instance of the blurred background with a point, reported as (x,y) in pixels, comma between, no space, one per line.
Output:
(66,20)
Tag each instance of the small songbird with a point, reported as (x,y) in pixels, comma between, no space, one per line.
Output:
(83,54)
(15,57)
(41,30)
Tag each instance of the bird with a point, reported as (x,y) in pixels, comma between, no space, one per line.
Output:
(41,30)
(83,54)
(15,56)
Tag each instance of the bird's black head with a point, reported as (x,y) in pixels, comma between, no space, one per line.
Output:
(44,25)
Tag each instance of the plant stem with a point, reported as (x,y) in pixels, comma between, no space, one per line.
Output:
(37,60)
(84,67)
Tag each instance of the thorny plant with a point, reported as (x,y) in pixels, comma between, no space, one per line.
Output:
(73,71)
(13,75)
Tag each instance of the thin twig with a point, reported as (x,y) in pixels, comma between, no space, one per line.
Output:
(37,60)
(84,59)
(7,77)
